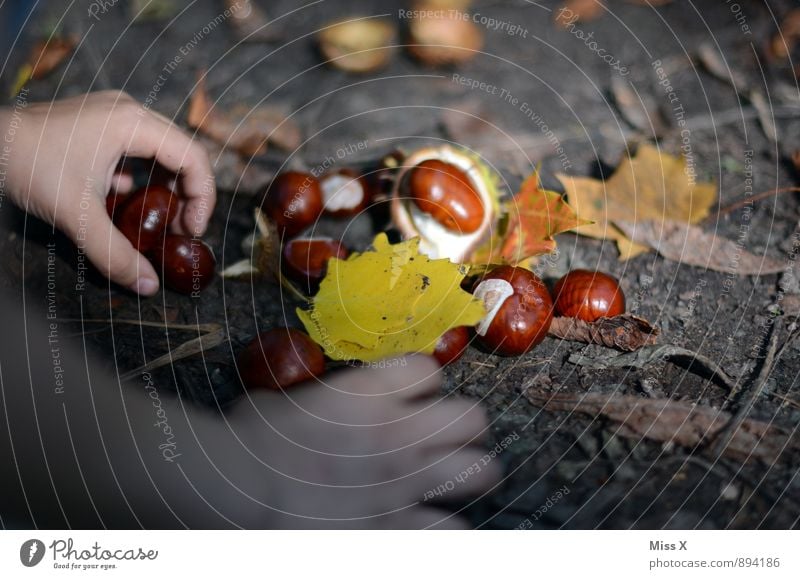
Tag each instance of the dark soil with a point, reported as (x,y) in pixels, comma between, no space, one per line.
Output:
(567,469)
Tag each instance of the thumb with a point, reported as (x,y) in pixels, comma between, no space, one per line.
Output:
(112,254)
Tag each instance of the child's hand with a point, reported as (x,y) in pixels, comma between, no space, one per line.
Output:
(62,162)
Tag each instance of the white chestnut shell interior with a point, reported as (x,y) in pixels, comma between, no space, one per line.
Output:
(493,293)
(436,241)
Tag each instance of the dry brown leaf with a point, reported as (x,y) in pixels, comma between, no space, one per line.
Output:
(640,113)
(648,186)
(713,62)
(45,56)
(249,21)
(243,130)
(667,421)
(691,245)
(625,332)
(784,41)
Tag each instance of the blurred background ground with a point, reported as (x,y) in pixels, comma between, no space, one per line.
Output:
(604,480)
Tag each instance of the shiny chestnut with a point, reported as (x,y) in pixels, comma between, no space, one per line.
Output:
(114,201)
(143,217)
(588,295)
(344,193)
(519,310)
(186,264)
(445,193)
(280,358)
(305,261)
(451,345)
(293,201)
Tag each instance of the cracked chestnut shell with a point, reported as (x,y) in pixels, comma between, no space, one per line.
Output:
(449,199)
(452,345)
(293,201)
(305,261)
(519,310)
(280,358)
(185,264)
(588,295)
(144,216)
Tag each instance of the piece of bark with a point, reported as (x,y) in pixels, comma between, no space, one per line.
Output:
(690,245)
(665,420)
(625,332)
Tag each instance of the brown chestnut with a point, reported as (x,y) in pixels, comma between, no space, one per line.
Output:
(588,295)
(185,264)
(143,217)
(519,310)
(444,191)
(293,201)
(305,261)
(451,345)
(344,193)
(114,201)
(280,358)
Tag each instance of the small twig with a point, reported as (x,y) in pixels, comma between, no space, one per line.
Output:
(786,399)
(752,198)
(724,436)
(167,325)
(190,348)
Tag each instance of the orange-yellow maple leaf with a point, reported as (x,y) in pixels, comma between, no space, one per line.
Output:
(535,215)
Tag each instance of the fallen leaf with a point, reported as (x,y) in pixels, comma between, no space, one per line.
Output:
(765,113)
(637,109)
(664,420)
(536,215)
(45,56)
(690,245)
(649,186)
(784,41)
(249,21)
(387,302)
(713,62)
(245,130)
(233,173)
(625,332)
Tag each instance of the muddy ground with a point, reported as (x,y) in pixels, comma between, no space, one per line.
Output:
(566,470)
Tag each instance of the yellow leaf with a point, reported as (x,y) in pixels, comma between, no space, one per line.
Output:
(651,186)
(387,302)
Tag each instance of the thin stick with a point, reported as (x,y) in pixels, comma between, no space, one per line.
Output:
(757,197)
(724,436)
(189,327)
(190,348)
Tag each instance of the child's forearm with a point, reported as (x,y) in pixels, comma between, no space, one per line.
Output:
(79,450)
